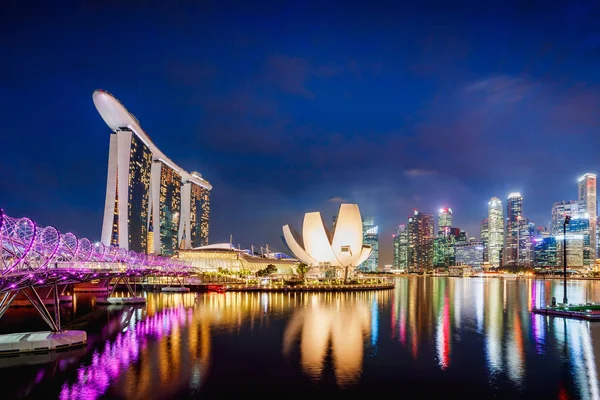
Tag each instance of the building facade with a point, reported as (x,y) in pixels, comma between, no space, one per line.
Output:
(370,238)
(443,242)
(420,238)
(470,254)
(514,214)
(401,248)
(545,252)
(444,222)
(485,238)
(526,237)
(588,209)
(560,210)
(149,206)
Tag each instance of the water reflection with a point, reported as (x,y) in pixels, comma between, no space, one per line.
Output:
(161,325)
(472,331)
(339,324)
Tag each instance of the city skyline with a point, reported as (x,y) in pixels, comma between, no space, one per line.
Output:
(299,121)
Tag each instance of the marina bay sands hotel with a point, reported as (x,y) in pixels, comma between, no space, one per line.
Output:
(152,205)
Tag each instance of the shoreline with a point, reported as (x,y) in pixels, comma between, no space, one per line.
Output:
(240,287)
(539,277)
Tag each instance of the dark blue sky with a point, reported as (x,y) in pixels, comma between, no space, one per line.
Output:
(289,108)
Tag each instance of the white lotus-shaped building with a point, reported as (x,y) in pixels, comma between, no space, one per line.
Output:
(318,247)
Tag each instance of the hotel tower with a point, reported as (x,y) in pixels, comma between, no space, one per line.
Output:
(152,205)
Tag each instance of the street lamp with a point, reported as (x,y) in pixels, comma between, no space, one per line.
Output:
(567,221)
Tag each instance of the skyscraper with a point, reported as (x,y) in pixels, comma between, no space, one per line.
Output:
(514,213)
(401,248)
(145,187)
(485,237)
(470,254)
(496,231)
(420,238)
(560,210)
(588,206)
(370,237)
(545,252)
(526,242)
(442,244)
(444,221)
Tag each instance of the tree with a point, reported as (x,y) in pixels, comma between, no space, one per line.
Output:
(269,270)
(302,269)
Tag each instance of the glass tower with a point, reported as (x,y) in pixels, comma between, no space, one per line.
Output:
(444,221)
(370,237)
(470,254)
(199,215)
(169,209)
(588,206)
(496,231)
(485,238)
(545,252)
(420,238)
(514,213)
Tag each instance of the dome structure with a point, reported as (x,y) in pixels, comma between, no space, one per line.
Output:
(317,246)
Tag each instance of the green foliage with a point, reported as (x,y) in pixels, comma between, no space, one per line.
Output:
(302,269)
(269,270)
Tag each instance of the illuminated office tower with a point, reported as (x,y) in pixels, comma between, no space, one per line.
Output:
(526,242)
(145,187)
(485,237)
(514,214)
(444,221)
(496,231)
(545,251)
(442,244)
(420,239)
(560,210)
(588,209)
(370,237)
(470,254)
(443,251)
(401,248)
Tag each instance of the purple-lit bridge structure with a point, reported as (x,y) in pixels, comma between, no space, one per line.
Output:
(35,257)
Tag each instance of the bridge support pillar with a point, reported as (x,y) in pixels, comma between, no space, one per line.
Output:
(132,299)
(6,301)
(37,302)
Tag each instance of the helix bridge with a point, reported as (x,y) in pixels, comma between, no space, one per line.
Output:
(35,257)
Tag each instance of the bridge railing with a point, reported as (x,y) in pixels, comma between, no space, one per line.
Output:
(28,249)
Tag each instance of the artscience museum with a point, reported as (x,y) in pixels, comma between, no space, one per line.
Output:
(336,252)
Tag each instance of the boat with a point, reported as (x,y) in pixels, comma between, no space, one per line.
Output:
(217,288)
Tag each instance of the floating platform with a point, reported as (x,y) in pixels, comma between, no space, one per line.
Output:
(47,302)
(121,301)
(175,289)
(28,342)
(589,312)
(36,358)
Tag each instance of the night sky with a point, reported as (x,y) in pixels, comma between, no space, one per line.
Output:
(290,108)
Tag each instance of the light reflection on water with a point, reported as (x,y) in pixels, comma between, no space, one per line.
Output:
(452,331)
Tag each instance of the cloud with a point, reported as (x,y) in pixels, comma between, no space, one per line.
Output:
(418,172)
(500,89)
(337,200)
